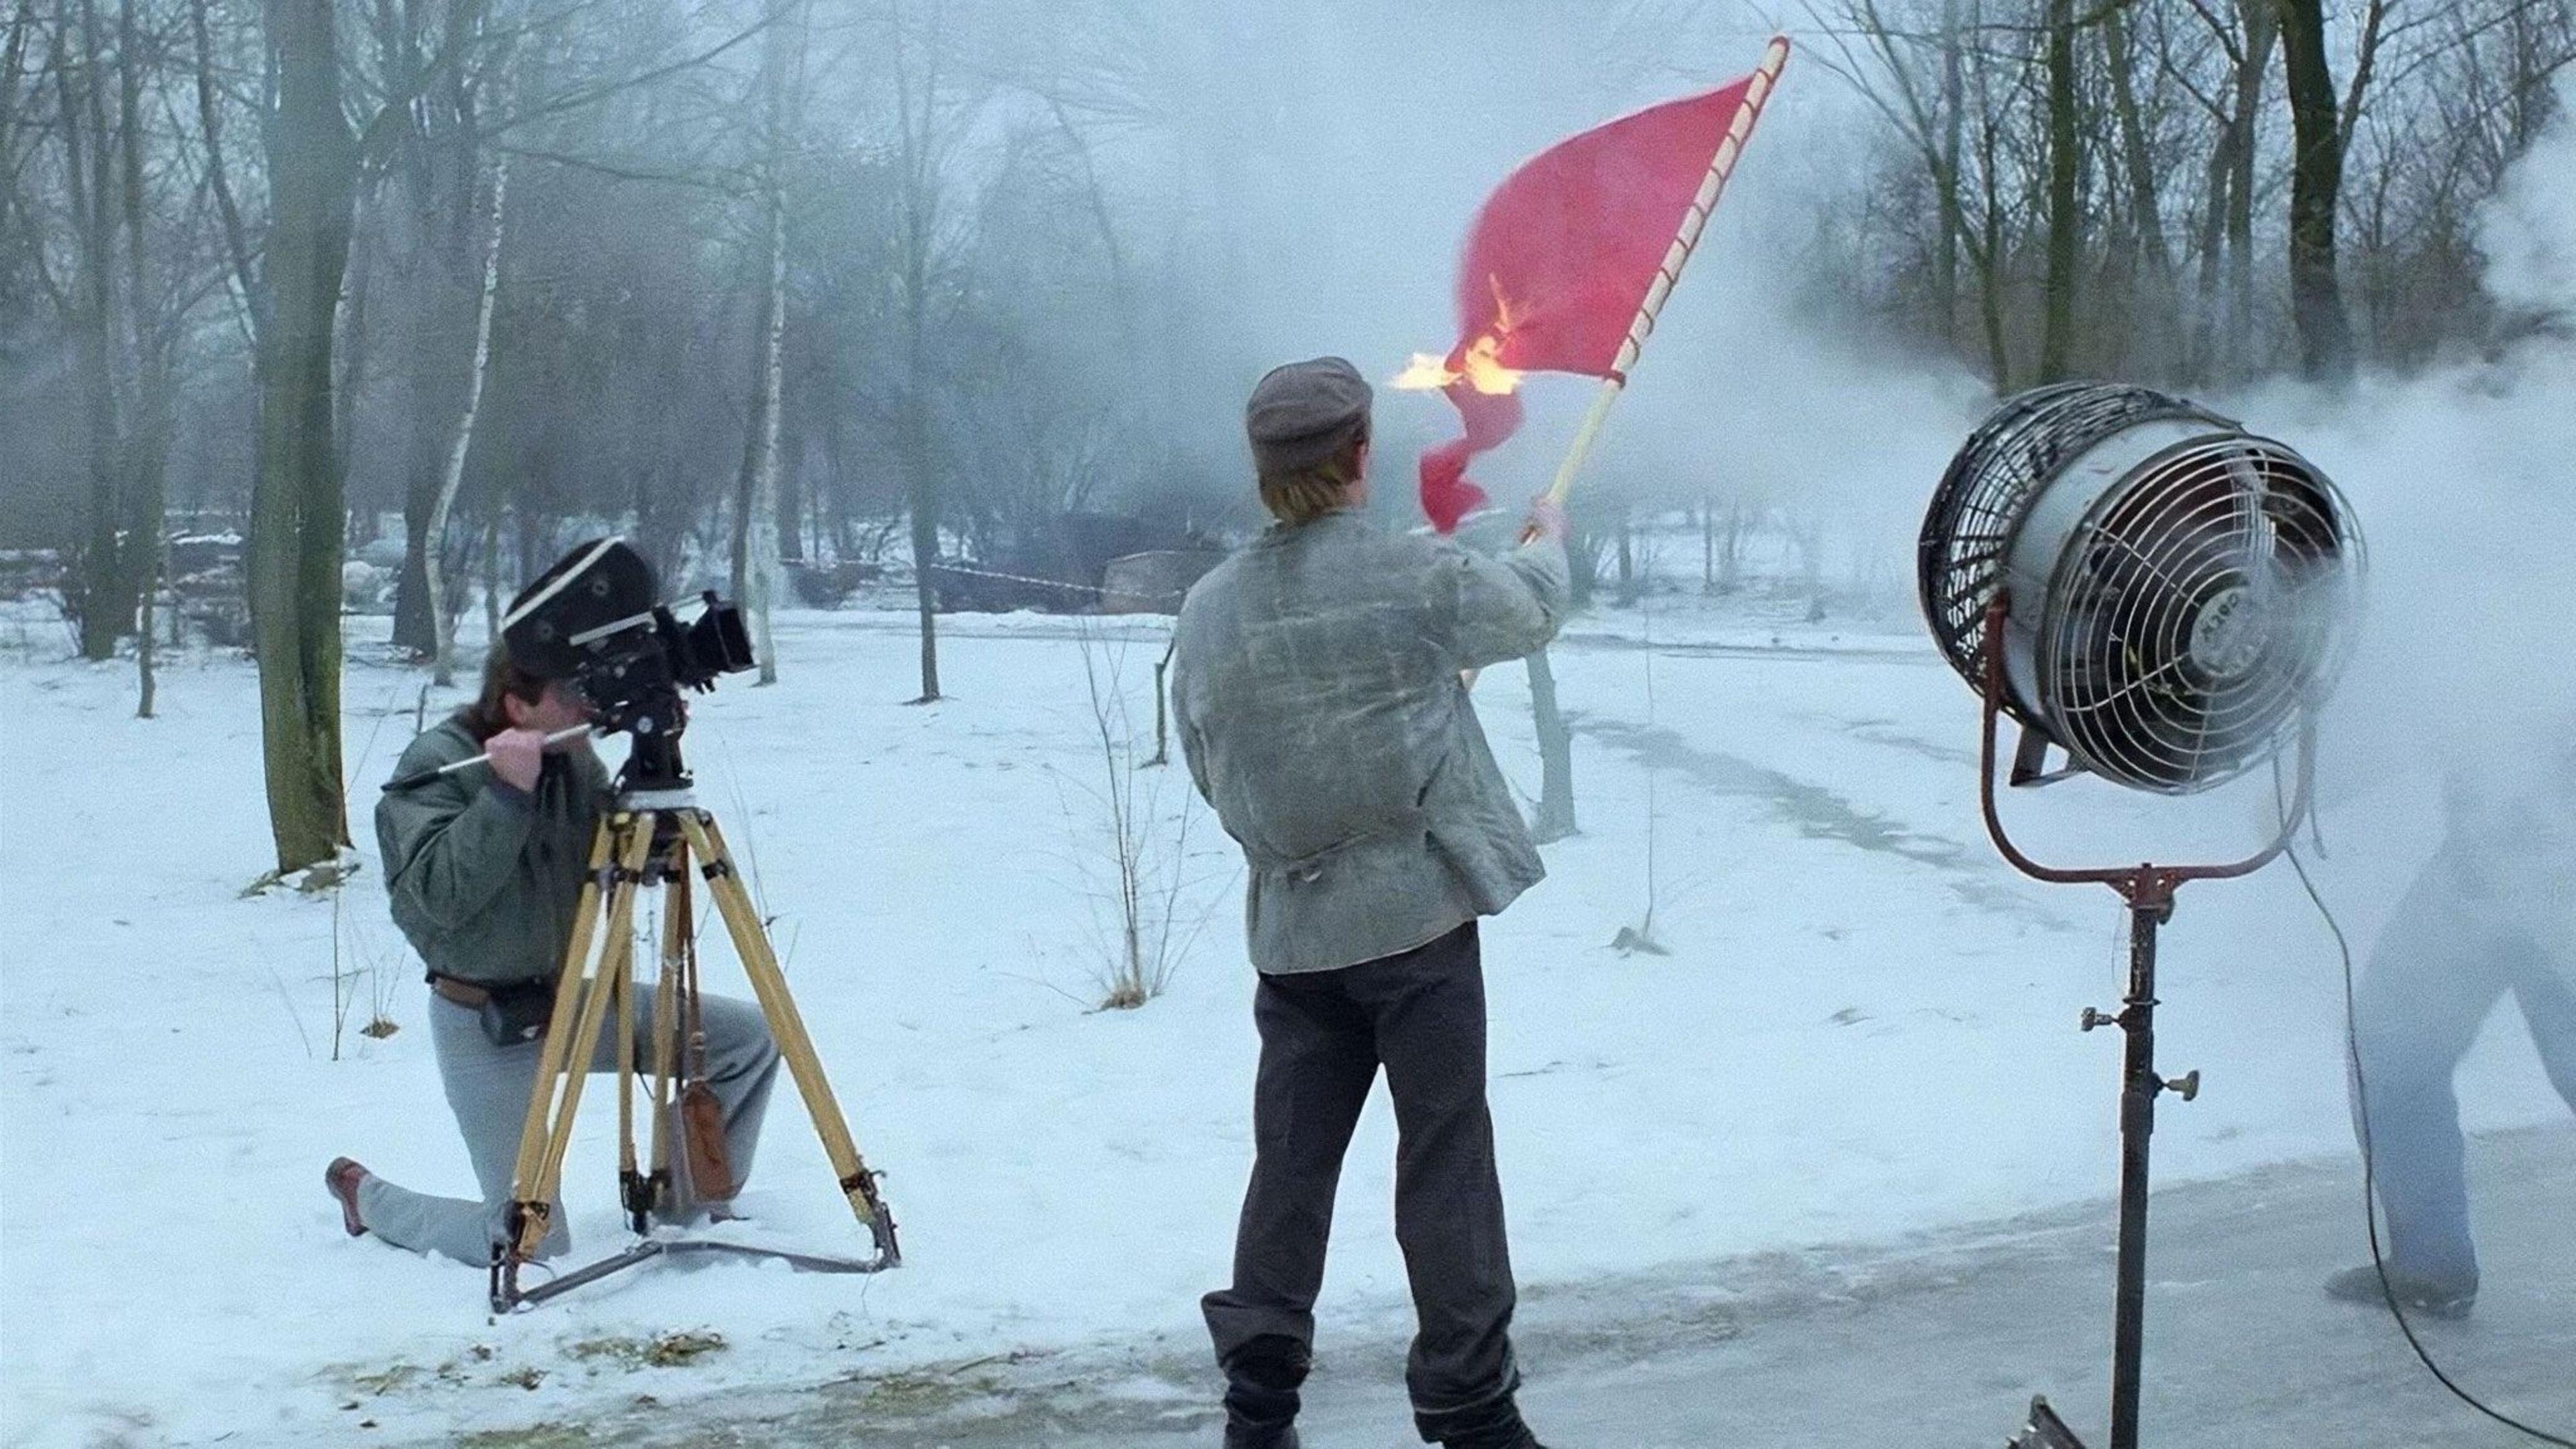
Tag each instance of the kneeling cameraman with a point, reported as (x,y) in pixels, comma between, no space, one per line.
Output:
(485,867)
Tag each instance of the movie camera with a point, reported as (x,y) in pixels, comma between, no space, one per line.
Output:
(595,620)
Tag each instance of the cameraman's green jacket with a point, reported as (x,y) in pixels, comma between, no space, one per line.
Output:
(485,877)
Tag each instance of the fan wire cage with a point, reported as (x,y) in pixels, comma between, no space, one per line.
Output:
(2176,584)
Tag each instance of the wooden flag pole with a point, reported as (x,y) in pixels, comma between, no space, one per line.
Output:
(1694,220)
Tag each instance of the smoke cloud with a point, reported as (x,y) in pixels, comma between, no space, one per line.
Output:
(2527,228)
(2466,489)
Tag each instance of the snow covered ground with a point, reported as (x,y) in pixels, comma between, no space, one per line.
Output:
(1865,1026)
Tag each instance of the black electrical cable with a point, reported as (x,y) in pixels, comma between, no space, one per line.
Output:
(2369,1175)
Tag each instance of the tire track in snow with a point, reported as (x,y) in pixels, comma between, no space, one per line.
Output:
(1817,812)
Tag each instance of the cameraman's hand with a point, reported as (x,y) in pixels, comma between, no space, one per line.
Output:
(517,756)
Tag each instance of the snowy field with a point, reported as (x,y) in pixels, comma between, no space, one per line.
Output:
(1865,1026)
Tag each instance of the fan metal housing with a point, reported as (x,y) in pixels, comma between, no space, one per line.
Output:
(2178,588)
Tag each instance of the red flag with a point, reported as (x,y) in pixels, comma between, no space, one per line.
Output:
(1555,268)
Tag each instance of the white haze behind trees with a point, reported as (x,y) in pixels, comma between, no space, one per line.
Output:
(2529,235)
(1137,207)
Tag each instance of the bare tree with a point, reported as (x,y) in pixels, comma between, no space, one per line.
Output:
(920,149)
(1554,819)
(158,308)
(756,510)
(79,64)
(2147,261)
(424,146)
(2316,296)
(1927,83)
(295,541)
(755,546)
(2243,34)
(442,618)
(1146,853)
(2107,173)
(2065,173)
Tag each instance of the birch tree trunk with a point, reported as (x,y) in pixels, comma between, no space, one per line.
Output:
(351,354)
(492,576)
(755,539)
(441,618)
(143,638)
(756,522)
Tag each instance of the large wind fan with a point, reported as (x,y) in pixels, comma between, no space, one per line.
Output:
(2175,583)
(2165,596)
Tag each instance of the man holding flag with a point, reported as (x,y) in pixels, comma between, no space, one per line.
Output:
(1321,679)
(1317,683)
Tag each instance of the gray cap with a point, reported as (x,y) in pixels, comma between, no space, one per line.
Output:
(1304,412)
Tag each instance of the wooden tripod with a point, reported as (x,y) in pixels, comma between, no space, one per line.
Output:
(648,841)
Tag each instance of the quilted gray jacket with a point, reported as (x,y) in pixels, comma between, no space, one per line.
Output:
(1316,685)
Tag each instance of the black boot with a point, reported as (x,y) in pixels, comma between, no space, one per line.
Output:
(1261,1394)
(1496,1425)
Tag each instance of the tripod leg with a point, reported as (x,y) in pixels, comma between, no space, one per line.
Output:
(769,984)
(677,937)
(621,1020)
(569,1052)
(605,845)
(616,958)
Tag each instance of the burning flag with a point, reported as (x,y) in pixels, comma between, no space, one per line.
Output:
(1568,263)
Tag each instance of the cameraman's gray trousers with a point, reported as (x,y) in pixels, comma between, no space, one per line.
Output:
(488,1087)
(1324,1034)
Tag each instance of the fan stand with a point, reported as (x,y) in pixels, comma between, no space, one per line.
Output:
(2148,890)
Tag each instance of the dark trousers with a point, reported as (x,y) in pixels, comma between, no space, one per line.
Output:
(1324,1034)
(2431,983)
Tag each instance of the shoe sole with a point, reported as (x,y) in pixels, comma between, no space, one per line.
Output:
(348,1201)
(2450,1310)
